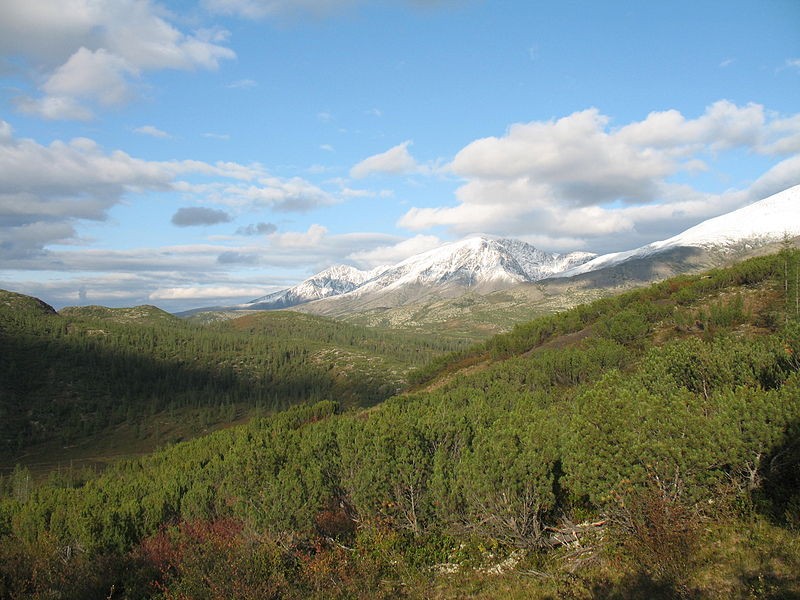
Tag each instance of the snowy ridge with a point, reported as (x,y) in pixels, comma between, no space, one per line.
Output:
(333,281)
(484,264)
(479,263)
(764,221)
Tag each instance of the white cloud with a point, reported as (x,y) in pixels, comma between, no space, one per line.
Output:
(187,288)
(68,180)
(317,248)
(292,239)
(53,108)
(579,178)
(89,53)
(282,195)
(396,160)
(46,191)
(205,292)
(92,74)
(152,131)
(574,154)
(394,253)
(723,126)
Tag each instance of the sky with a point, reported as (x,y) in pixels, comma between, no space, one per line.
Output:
(193,153)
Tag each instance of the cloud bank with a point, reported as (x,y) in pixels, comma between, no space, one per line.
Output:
(580,179)
(47,191)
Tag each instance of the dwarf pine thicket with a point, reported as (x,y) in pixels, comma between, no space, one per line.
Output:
(659,429)
(73,375)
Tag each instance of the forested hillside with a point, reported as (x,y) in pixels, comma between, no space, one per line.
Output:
(646,446)
(68,377)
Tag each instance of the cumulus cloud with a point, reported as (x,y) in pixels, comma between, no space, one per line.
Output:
(295,239)
(46,191)
(580,178)
(395,161)
(195,275)
(723,126)
(199,215)
(95,74)
(91,53)
(53,108)
(394,253)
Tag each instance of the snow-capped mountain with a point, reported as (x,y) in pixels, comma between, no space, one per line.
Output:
(756,224)
(480,264)
(541,265)
(333,281)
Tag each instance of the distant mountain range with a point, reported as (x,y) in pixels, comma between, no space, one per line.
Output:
(482,265)
(478,264)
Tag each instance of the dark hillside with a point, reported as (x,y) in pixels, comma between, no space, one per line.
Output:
(68,378)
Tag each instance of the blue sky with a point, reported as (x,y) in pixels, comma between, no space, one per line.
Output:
(198,152)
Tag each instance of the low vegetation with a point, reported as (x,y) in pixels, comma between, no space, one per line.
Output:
(646,445)
(142,375)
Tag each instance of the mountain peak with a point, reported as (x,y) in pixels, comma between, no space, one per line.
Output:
(477,263)
(333,281)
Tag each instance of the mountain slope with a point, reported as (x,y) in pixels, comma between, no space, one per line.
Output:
(479,265)
(757,224)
